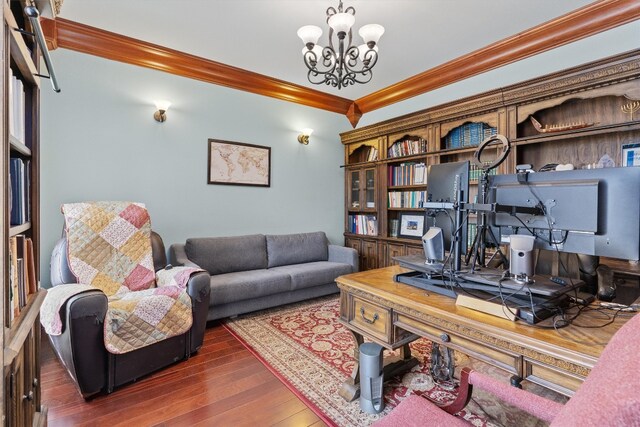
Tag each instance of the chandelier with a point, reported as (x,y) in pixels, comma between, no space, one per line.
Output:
(348,64)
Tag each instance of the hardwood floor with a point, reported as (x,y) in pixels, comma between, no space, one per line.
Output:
(222,385)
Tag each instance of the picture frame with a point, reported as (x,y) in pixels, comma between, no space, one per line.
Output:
(412,225)
(237,163)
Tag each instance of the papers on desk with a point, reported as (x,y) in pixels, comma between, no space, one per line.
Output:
(489,307)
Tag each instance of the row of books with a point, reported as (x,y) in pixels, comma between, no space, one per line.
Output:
(16,108)
(407,199)
(372,154)
(468,134)
(20,179)
(475,173)
(22,273)
(407,174)
(407,147)
(363,224)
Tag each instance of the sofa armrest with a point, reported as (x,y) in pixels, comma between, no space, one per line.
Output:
(80,347)
(199,289)
(60,272)
(344,255)
(178,256)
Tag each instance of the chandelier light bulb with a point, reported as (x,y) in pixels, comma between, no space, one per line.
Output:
(310,34)
(371,33)
(342,22)
(362,52)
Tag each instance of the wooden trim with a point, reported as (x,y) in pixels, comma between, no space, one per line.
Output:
(94,41)
(589,20)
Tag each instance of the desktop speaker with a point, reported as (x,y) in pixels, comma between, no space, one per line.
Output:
(433,245)
(521,265)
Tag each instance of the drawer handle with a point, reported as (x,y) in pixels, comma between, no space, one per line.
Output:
(371,322)
(28,397)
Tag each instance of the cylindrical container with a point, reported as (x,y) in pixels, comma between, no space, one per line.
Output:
(371,378)
(394,227)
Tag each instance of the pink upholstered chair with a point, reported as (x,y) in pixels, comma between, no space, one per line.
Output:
(608,397)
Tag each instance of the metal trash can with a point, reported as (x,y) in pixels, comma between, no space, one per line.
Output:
(371,378)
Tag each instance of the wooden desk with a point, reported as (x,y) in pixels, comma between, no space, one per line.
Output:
(393,314)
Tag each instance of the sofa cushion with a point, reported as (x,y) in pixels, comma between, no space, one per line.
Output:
(238,286)
(313,273)
(219,255)
(286,249)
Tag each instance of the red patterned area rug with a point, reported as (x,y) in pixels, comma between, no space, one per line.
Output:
(312,353)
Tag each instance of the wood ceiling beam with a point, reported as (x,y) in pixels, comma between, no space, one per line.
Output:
(94,41)
(589,20)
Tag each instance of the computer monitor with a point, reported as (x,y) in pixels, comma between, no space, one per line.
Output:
(588,211)
(447,183)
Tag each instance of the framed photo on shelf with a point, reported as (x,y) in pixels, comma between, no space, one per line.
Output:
(235,163)
(411,225)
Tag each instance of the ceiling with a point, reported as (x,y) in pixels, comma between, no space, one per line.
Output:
(260,35)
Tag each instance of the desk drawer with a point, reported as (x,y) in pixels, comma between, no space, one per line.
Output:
(371,318)
(563,382)
(510,362)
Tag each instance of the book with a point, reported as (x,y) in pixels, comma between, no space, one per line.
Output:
(32,284)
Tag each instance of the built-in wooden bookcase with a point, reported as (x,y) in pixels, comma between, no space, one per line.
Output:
(583,114)
(21,292)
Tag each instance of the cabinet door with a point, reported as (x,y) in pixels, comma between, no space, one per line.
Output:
(394,250)
(354,189)
(370,188)
(370,255)
(415,250)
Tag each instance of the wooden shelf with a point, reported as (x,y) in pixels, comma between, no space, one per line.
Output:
(578,133)
(22,326)
(18,229)
(17,145)
(20,54)
(420,156)
(408,187)
(407,209)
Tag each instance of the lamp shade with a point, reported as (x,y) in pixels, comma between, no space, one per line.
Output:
(371,32)
(162,104)
(363,49)
(307,131)
(342,22)
(309,34)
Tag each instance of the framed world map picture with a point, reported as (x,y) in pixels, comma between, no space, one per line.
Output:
(235,163)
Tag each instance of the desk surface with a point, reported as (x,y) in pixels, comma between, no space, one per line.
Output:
(572,349)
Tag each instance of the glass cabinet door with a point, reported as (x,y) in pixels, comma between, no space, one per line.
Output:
(370,190)
(354,190)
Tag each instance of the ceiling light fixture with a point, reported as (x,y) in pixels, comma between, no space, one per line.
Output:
(338,67)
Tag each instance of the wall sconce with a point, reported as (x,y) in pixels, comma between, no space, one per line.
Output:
(303,138)
(161,114)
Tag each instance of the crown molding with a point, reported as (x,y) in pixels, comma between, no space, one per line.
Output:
(94,41)
(589,20)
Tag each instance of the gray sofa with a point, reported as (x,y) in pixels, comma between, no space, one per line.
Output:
(254,272)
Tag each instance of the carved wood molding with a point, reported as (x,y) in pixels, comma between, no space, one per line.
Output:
(94,41)
(584,22)
(595,74)
(469,333)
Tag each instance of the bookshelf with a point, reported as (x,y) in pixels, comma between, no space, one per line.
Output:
(582,117)
(21,292)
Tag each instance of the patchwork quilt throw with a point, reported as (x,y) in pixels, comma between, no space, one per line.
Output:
(109,248)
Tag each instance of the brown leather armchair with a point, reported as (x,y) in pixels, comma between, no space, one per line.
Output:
(81,347)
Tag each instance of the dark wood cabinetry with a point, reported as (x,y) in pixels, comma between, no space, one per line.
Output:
(583,116)
(21,296)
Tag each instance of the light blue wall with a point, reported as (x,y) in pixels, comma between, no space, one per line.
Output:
(99,141)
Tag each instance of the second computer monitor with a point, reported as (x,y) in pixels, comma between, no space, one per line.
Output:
(448,183)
